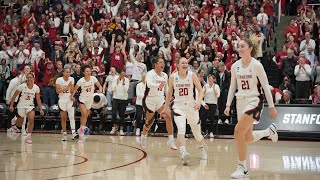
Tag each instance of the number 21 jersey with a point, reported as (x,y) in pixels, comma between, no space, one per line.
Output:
(248,84)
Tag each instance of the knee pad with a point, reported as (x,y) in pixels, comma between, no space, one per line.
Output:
(181,125)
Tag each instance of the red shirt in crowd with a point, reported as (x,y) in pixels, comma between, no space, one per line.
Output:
(294,31)
(53,31)
(268,8)
(280,56)
(97,56)
(117,60)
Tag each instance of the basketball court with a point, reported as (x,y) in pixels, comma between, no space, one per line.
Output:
(120,157)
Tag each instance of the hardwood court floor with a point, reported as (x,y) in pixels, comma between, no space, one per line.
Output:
(119,157)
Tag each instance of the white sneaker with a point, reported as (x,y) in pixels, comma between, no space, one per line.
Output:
(64,137)
(138,132)
(28,140)
(172,144)
(113,130)
(75,135)
(143,142)
(121,132)
(24,132)
(274,135)
(227,121)
(211,135)
(240,173)
(203,153)
(219,121)
(185,156)
(13,129)
(81,133)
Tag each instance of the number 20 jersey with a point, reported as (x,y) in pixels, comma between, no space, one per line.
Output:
(183,89)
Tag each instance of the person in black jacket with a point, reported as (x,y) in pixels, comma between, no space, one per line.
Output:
(223,80)
(289,64)
(287,98)
(287,85)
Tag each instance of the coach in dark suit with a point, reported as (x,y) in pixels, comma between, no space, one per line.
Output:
(287,98)
(223,80)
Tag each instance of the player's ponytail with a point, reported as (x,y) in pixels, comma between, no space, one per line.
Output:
(254,46)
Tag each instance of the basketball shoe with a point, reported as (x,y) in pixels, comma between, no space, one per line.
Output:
(143,142)
(28,139)
(64,137)
(81,133)
(203,153)
(13,129)
(185,156)
(273,132)
(172,144)
(241,172)
(75,135)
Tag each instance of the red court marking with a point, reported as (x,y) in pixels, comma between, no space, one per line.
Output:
(117,167)
(75,164)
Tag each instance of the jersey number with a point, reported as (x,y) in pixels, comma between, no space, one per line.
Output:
(183,91)
(88,89)
(245,84)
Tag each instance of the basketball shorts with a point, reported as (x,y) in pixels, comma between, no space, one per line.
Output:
(22,112)
(183,112)
(250,106)
(152,104)
(87,101)
(65,104)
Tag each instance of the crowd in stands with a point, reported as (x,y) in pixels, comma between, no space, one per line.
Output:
(126,35)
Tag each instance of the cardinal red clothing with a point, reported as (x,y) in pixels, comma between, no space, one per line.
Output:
(53,31)
(117,60)
(75,2)
(294,31)
(217,11)
(6,28)
(47,73)
(288,45)
(98,56)
(89,7)
(275,92)
(280,56)
(301,9)
(204,11)
(268,8)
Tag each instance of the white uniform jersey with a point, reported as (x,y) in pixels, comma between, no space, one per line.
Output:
(248,84)
(27,96)
(183,88)
(63,84)
(103,101)
(152,83)
(87,87)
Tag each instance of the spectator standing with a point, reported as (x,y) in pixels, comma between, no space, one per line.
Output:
(302,72)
